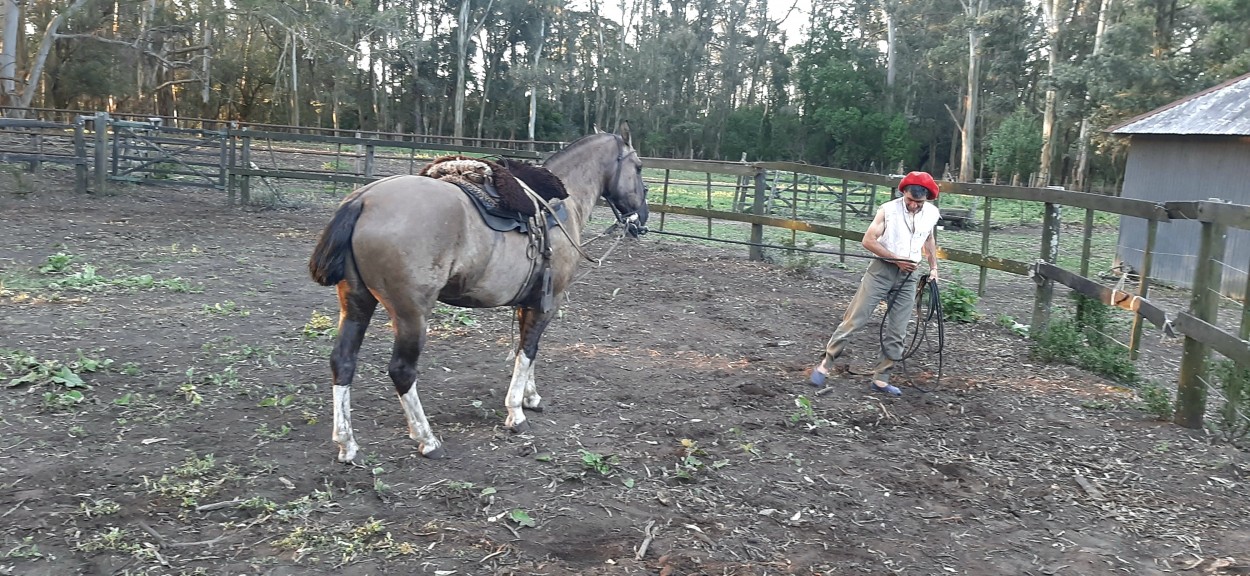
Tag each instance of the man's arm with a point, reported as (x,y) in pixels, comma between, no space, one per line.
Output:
(930,253)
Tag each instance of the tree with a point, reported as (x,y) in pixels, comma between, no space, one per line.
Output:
(973,10)
(464,31)
(8,52)
(1015,146)
(1082,168)
(1052,11)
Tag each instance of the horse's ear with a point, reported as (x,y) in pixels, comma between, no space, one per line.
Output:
(596,129)
(623,130)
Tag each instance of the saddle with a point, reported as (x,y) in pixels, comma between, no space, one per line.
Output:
(496,189)
(498,192)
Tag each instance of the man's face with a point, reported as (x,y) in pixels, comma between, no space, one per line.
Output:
(914,203)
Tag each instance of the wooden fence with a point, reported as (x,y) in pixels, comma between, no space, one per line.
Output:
(228,157)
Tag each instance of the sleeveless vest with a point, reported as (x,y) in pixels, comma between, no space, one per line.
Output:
(905,233)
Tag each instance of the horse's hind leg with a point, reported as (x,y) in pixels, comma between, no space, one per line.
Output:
(522,391)
(410,335)
(356,306)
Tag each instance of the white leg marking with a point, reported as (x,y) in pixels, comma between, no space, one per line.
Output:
(522,370)
(343,435)
(418,427)
(532,399)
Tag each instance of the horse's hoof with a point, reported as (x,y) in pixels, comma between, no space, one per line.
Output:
(436,454)
(521,427)
(347,455)
(535,408)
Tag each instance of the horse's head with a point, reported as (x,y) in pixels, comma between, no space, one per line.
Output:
(626,192)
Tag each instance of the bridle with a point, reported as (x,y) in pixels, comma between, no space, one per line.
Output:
(628,220)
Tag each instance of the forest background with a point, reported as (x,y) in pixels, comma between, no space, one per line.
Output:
(1002,90)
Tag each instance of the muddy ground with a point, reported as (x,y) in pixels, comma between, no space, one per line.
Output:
(679,437)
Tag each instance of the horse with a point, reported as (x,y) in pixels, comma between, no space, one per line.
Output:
(408,242)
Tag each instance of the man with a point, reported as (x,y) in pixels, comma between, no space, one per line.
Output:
(900,233)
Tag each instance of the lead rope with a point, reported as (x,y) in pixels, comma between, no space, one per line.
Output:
(923,318)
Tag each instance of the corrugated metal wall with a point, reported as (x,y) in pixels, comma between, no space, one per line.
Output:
(1180,168)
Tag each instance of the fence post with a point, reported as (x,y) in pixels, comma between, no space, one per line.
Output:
(80,155)
(1244,331)
(1143,286)
(101,126)
(36,141)
(359,156)
(842,223)
(369,151)
(985,246)
(1087,238)
(245,187)
(757,208)
(1191,391)
(664,197)
(223,172)
(231,178)
(1045,292)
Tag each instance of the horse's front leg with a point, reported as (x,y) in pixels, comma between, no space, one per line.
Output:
(522,391)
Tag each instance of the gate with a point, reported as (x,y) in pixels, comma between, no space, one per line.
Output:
(150,152)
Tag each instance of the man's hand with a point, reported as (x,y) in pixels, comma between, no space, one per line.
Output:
(907,266)
(933,275)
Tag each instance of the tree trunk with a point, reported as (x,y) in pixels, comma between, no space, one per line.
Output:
(538,50)
(891,53)
(491,67)
(8,52)
(33,79)
(974,9)
(294,79)
(1082,155)
(462,57)
(206,84)
(1051,9)
(1165,19)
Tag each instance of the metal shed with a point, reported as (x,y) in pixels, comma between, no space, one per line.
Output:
(1196,148)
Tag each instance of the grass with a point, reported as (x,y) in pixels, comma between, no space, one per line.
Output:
(62,273)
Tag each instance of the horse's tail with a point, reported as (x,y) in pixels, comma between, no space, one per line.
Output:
(328,265)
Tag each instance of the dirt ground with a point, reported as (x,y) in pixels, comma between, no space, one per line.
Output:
(679,437)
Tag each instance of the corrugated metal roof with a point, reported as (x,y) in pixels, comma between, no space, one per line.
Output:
(1222,110)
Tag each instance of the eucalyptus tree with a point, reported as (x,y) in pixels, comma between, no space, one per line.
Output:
(1082,167)
(973,11)
(840,84)
(1054,12)
(1152,53)
(468,24)
(8,51)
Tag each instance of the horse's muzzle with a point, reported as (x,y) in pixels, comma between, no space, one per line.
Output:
(634,225)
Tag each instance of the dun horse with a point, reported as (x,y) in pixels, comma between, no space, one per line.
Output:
(411,241)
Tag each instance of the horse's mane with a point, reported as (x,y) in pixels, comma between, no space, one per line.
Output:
(574,143)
